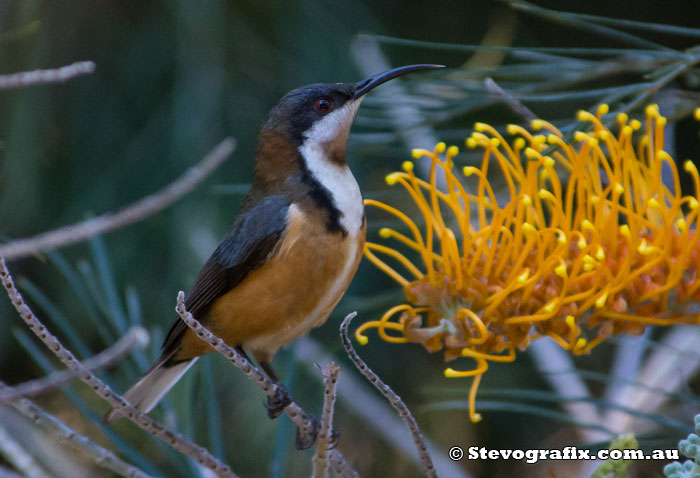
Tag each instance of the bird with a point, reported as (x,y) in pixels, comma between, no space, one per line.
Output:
(294,245)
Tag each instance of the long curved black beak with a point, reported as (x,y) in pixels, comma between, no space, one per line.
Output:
(364,86)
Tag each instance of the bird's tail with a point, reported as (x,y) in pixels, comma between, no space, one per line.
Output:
(147,392)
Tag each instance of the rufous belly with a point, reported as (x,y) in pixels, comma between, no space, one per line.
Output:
(293,291)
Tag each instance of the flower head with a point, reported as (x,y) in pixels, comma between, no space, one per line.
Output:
(588,242)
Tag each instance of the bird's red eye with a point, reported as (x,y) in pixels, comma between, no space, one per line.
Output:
(323,105)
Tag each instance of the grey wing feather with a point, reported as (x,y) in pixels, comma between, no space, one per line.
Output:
(253,235)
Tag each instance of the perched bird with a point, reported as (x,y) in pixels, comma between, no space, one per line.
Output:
(293,248)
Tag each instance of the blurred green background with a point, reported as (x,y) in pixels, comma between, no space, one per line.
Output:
(173,78)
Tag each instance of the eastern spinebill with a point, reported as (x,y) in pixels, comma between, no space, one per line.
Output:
(293,248)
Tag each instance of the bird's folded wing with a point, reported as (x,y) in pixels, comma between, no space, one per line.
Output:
(253,236)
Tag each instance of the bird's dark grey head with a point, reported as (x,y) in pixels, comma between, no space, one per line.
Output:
(300,109)
(324,111)
(301,149)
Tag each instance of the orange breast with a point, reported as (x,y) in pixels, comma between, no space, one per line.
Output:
(295,290)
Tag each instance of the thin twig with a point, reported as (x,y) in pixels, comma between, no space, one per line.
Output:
(361,400)
(340,466)
(390,395)
(134,212)
(99,455)
(41,77)
(174,439)
(135,337)
(302,420)
(511,101)
(325,438)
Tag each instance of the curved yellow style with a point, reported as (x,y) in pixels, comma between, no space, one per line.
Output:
(587,242)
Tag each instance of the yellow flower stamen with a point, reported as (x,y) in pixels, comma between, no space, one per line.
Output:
(588,242)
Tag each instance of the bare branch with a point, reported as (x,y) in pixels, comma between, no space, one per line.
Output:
(136,336)
(340,466)
(41,77)
(135,212)
(360,399)
(390,395)
(174,439)
(325,438)
(302,420)
(511,101)
(100,455)
(298,416)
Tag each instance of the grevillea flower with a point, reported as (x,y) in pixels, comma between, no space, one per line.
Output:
(588,242)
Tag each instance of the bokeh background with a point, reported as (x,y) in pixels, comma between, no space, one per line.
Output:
(173,78)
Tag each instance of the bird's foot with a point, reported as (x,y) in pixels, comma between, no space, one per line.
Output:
(334,439)
(308,439)
(275,405)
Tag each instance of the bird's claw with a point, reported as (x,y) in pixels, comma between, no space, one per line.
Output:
(334,439)
(306,440)
(276,404)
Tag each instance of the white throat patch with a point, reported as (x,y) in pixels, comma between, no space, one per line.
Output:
(335,177)
(335,124)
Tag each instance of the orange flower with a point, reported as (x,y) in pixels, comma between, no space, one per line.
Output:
(588,242)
